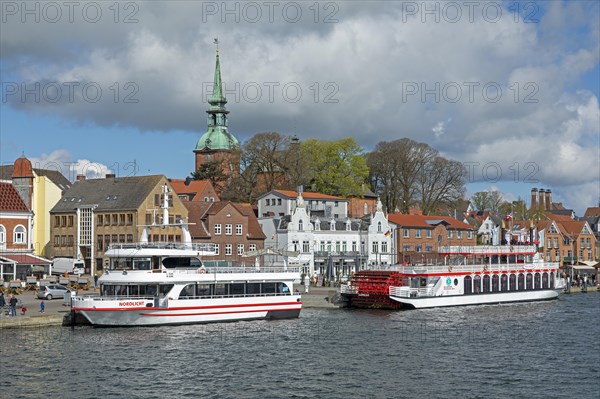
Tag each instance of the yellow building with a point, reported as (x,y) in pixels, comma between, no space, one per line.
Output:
(40,190)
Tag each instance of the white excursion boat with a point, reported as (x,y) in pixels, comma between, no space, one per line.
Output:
(523,276)
(151,283)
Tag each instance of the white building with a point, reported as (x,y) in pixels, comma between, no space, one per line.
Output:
(328,245)
(278,203)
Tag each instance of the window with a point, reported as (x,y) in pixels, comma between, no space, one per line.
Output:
(336,204)
(57,221)
(107,240)
(217,248)
(459,234)
(379,227)
(156,200)
(228,248)
(323,247)
(114,238)
(295,245)
(63,221)
(121,219)
(406,248)
(228,229)
(129,237)
(375,247)
(121,237)
(278,201)
(115,220)
(305,246)
(428,248)
(240,249)
(20,235)
(418,233)
(99,220)
(418,248)
(470,235)
(70,221)
(267,202)
(449,233)
(405,233)
(217,229)
(384,247)
(238,229)
(252,247)
(428,233)
(2,234)
(354,247)
(129,219)
(205,199)
(338,246)
(99,244)
(555,242)
(344,246)
(300,225)
(332,226)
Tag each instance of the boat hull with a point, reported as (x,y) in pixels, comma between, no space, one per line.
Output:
(475,299)
(143,312)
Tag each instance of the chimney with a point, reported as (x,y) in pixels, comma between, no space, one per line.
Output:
(80,177)
(542,199)
(110,175)
(548,199)
(534,198)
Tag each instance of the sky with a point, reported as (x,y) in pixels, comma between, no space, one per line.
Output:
(508,88)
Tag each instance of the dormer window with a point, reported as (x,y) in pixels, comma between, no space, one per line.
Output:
(300,225)
(317,225)
(379,227)
(332,226)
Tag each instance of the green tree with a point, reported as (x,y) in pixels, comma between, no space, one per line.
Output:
(335,167)
(213,171)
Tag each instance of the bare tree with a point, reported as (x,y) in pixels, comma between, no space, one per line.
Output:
(481,200)
(441,182)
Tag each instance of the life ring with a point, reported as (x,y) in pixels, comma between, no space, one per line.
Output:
(201,270)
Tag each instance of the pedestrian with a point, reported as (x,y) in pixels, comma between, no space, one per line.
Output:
(42,307)
(2,300)
(23,310)
(12,305)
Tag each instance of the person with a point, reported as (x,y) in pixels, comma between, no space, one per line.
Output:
(23,311)
(42,307)
(2,300)
(12,305)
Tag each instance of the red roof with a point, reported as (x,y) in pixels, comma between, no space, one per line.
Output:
(593,211)
(25,259)
(10,199)
(308,195)
(195,187)
(422,221)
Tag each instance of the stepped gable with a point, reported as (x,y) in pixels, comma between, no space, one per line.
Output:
(111,193)
(10,200)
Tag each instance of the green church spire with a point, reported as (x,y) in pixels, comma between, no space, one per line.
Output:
(217,137)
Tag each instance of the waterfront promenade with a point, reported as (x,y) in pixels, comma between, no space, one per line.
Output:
(56,310)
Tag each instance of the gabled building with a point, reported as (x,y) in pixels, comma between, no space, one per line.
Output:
(40,189)
(359,207)
(232,228)
(194,190)
(279,203)
(418,237)
(331,246)
(568,242)
(94,213)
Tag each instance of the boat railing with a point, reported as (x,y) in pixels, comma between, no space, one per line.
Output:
(348,289)
(211,270)
(408,292)
(97,298)
(164,245)
(488,249)
(476,268)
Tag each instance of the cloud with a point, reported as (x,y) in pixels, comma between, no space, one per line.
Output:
(62,161)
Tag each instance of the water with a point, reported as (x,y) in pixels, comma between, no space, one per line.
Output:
(533,350)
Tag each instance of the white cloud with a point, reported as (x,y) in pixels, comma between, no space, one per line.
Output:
(62,161)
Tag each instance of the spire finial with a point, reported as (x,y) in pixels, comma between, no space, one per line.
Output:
(216,42)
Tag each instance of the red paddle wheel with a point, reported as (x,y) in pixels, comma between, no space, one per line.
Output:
(370,289)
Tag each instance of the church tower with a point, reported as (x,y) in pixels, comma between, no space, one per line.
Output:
(217,144)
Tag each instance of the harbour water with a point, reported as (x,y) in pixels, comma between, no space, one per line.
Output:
(533,350)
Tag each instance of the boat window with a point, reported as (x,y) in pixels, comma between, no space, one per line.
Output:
(512,282)
(151,290)
(141,264)
(236,289)
(121,290)
(495,283)
(529,281)
(282,288)
(468,287)
(203,290)
(545,280)
(163,289)
(253,288)
(122,264)
(220,289)
(537,281)
(172,263)
(107,290)
(477,285)
(486,283)
(142,289)
(521,282)
(268,288)
(504,283)
(133,290)
(187,291)
(551,280)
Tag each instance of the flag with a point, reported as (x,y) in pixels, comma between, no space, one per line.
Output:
(509,216)
(388,233)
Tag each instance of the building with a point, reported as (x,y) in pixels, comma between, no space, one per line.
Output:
(232,228)
(217,144)
(194,190)
(542,200)
(333,246)
(40,190)
(361,207)
(94,213)
(284,202)
(418,237)
(570,242)
(17,260)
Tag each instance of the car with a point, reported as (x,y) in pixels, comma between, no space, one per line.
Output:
(53,291)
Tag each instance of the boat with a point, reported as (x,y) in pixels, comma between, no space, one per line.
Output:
(167,283)
(511,274)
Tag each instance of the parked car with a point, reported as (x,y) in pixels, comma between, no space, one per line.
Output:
(53,291)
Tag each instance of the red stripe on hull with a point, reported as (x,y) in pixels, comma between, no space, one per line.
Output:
(214,313)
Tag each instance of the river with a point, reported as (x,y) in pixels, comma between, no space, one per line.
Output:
(532,350)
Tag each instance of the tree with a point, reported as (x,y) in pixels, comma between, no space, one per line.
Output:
(481,200)
(335,167)
(495,199)
(405,173)
(213,171)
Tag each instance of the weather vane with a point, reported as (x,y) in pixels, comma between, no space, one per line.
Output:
(217,43)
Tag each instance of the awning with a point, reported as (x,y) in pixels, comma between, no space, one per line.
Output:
(581,267)
(23,259)
(591,263)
